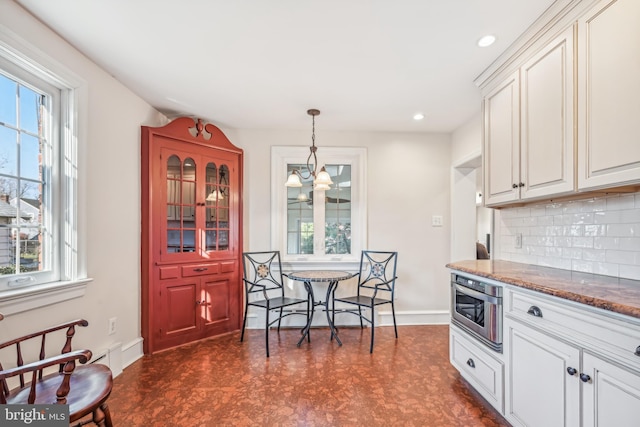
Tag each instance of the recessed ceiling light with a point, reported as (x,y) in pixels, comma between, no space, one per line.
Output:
(486,40)
(418,116)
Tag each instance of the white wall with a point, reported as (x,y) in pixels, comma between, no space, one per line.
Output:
(110,180)
(408,182)
(466,141)
(466,148)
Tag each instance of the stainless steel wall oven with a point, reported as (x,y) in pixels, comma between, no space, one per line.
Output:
(476,307)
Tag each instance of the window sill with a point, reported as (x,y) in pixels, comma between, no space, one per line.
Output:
(328,264)
(15,301)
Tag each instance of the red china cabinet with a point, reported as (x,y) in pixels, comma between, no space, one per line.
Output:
(191,234)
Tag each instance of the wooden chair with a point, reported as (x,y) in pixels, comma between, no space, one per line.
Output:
(85,388)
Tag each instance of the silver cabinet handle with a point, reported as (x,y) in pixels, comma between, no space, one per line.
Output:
(535,311)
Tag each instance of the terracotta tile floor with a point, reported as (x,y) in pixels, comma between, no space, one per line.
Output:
(222,382)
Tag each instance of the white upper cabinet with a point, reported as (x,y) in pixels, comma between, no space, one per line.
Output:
(502,142)
(561,110)
(528,128)
(609,95)
(547,160)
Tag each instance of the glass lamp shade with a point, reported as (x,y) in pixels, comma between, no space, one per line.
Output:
(293,181)
(214,196)
(323,179)
(322,187)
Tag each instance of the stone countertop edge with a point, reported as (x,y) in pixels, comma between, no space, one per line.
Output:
(609,293)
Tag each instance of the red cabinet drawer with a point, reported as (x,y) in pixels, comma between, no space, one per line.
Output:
(200,269)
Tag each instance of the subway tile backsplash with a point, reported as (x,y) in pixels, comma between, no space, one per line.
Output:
(599,235)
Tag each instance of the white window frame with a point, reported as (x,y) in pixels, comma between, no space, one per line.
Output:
(20,58)
(356,157)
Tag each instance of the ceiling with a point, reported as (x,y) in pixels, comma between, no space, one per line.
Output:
(367,65)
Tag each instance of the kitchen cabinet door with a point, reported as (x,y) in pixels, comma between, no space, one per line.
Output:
(178,304)
(609,95)
(611,394)
(540,391)
(502,142)
(547,143)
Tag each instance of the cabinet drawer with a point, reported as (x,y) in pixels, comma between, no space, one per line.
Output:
(609,334)
(200,269)
(478,366)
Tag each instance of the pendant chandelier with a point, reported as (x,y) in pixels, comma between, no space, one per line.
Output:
(321,180)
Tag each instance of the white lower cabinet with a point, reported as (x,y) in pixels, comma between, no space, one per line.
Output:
(540,389)
(479,365)
(569,365)
(611,394)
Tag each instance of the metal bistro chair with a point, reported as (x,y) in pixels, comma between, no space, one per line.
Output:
(377,277)
(263,275)
(57,379)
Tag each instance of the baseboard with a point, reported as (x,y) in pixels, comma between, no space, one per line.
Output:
(383,318)
(418,317)
(132,352)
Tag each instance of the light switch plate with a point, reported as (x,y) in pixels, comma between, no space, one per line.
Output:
(518,241)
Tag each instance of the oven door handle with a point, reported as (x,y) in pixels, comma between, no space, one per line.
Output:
(479,295)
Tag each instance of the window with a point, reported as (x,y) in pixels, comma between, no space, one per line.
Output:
(317,226)
(26,144)
(39,244)
(302,213)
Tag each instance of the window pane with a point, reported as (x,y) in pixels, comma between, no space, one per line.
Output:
(300,215)
(8,91)
(338,211)
(28,242)
(25,240)
(30,152)
(29,110)
(8,151)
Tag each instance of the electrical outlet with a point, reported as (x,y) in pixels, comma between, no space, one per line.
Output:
(436,221)
(518,241)
(112,325)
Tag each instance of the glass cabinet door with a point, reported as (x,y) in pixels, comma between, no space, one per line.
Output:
(181,204)
(217,207)
(199,205)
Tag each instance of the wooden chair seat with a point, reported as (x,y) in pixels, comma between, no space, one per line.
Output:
(90,388)
(83,386)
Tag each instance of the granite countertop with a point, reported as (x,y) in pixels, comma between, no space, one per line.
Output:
(605,292)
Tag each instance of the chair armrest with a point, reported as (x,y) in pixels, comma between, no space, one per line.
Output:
(385,283)
(253,283)
(83,356)
(380,286)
